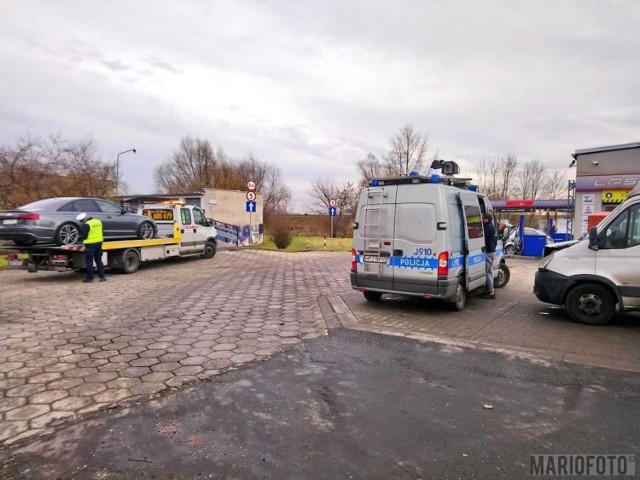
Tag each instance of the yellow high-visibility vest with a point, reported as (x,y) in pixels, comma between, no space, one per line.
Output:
(95,231)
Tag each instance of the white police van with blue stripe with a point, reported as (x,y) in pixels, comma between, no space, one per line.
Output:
(422,236)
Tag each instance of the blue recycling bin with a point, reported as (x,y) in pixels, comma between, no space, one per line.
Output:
(561,237)
(534,245)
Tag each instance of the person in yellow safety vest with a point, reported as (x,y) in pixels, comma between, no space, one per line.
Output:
(91,234)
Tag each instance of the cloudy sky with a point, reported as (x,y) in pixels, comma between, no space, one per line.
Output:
(313,86)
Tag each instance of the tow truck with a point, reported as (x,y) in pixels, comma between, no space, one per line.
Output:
(183,230)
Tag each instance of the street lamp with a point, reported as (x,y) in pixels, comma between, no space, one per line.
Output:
(118,166)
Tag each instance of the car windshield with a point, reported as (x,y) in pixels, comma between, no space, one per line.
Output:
(47,204)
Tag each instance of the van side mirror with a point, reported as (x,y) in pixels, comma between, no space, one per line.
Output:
(593,238)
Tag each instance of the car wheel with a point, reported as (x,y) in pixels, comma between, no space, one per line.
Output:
(130,261)
(460,299)
(590,304)
(373,296)
(504,274)
(67,234)
(209,249)
(510,250)
(146,230)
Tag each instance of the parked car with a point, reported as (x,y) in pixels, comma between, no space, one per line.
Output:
(53,220)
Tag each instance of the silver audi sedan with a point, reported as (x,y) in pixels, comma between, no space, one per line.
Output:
(53,220)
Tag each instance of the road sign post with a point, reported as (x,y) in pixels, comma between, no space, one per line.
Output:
(332,213)
(252,205)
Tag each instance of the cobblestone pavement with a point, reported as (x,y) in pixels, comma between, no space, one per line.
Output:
(70,348)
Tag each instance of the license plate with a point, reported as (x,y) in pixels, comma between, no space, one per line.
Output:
(11,221)
(374,259)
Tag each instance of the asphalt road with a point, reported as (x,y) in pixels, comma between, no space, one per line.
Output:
(352,405)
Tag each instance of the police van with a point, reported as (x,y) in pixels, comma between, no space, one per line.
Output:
(422,236)
(600,275)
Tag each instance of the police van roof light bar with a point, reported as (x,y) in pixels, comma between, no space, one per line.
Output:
(433,178)
(449,169)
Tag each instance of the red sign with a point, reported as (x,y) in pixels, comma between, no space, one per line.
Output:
(519,203)
(251,196)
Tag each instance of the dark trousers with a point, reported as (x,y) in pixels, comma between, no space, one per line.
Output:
(93,252)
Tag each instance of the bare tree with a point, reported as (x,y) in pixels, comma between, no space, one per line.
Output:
(269,183)
(347,199)
(191,167)
(531,179)
(91,177)
(369,168)
(508,168)
(556,185)
(408,152)
(322,191)
(487,177)
(345,194)
(34,169)
(194,166)
(16,165)
(495,176)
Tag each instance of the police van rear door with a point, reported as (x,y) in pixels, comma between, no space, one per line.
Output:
(373,238)
(474,239)
(415,256)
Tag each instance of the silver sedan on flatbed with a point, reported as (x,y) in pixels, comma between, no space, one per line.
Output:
(53,220)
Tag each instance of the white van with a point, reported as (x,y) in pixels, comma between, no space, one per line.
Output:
(599,275)
(422,236)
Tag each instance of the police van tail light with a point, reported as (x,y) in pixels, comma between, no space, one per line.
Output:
(353,259)
(443,264)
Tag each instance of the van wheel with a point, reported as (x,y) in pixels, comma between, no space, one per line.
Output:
(590,304)
(209,249)
(504,274)
(373,296)
(130,261)
(461,297)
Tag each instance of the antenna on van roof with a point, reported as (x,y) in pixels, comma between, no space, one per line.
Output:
(447,167)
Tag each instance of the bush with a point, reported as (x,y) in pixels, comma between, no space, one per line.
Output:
(280,231)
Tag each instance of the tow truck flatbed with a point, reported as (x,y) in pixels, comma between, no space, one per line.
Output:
(187,238)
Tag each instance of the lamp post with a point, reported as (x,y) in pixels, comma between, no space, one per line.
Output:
(118,166)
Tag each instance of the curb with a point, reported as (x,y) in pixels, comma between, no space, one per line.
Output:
(348,320)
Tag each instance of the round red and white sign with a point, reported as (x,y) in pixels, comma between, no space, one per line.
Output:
(251,196)
(251,185)
(332,203)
